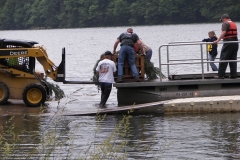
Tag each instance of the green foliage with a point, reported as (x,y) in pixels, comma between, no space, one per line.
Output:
(214,9)
(151,71)
(29,14)
(7,137)
(95,75)
(115,143)
(59,93)
(6,16)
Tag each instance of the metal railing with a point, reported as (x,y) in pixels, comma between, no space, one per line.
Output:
(201,61)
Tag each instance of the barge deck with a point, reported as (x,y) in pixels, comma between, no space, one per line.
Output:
(186,84)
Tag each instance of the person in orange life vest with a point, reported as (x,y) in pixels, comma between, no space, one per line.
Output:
(105,69)
(147,51)
(229,50)
(212,49)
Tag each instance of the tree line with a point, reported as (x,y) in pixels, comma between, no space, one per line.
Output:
(35,14)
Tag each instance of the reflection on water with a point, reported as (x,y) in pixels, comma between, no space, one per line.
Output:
(167,137)
(204,136)
(226,133)
(195,136)
(181,136)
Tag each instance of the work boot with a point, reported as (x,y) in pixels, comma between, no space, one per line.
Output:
(119,80)
(137,79)
(232,77)
(217,77)
(102,105)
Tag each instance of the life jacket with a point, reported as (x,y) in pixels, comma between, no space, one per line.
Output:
(211,47)
(127,38)
(136,47)
(232,31)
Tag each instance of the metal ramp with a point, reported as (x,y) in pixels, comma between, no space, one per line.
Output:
(154,107)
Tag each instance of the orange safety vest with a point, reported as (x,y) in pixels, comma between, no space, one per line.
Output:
(136,47)
(232,31)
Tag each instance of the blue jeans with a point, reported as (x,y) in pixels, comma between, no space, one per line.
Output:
(148,55)
(127,51)
(213,66)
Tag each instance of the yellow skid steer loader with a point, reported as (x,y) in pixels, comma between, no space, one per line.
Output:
(18,79)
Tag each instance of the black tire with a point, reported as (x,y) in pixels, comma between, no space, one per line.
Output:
(4,93)
(34,95)
(47,88)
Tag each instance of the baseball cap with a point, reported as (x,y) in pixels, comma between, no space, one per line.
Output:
(108,53)
(224,16)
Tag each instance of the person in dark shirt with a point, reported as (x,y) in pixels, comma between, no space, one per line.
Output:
(127,40)
(212,49)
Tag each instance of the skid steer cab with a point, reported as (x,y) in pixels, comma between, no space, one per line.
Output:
(18,79)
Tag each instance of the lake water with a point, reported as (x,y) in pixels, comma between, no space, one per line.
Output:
(181,136)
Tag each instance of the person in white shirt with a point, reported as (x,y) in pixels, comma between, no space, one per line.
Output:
(106,69)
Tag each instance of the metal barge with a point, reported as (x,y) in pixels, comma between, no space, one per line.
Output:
(187,84)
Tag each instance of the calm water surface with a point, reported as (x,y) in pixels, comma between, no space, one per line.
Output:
(184,136)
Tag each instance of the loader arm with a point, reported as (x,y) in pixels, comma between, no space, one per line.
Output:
(50,68)
(18,58)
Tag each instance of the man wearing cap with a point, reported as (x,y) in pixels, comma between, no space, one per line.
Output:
(229,50)
(105,69)
(127,40)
